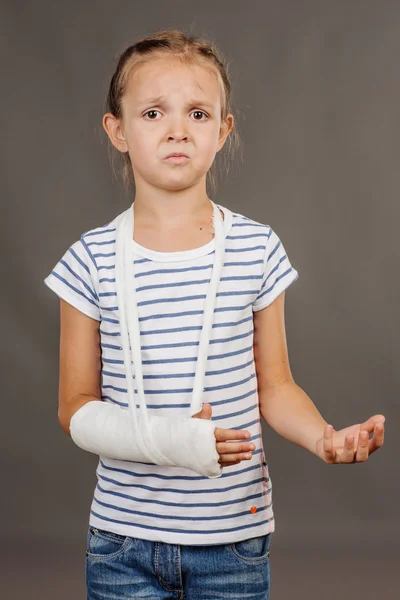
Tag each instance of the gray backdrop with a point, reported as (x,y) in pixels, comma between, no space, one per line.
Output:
(317,84)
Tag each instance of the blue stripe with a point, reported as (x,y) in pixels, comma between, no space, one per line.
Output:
(194,358)
(215,418)
(162,315)
(196,490)
(180,405)
(215,341)
(78,259)
(100,231)
(275,282)
(174,517)
(183,269)
(182,375)
(181,329)
(192,478)
(186,298)
(82,241)
(250,223)
(198,282)
(182,314)
(78,277)
(174,390)
(278,244)
(189,478)
(180,344)
(183,283)
(76,290)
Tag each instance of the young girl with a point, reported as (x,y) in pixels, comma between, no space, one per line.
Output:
(173,345)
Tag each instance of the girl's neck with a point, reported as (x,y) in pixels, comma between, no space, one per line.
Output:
(177,236)
(171,213)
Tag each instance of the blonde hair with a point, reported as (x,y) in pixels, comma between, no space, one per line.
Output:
(189,50)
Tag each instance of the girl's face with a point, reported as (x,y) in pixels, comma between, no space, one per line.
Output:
(169,107)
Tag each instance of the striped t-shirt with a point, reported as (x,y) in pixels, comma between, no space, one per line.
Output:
(174,504)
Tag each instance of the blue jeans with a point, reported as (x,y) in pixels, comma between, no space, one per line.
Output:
(122,567)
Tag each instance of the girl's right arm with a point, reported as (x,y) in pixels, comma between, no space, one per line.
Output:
(106,429)
(80,362)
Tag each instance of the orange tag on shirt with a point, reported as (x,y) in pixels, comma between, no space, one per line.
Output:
(253,509)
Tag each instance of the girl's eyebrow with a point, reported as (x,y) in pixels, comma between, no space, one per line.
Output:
(160,99)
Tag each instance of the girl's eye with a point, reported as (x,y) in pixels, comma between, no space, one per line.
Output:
(201,113)
(155,111)
(150,111)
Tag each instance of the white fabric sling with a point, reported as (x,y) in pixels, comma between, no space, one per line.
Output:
(105,429)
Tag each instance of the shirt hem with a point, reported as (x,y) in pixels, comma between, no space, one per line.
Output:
(184,539)
(277,291)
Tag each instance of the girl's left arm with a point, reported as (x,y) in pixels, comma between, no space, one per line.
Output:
(288,409)
(283,404)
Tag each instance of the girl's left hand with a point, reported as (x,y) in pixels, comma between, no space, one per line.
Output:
(352,444)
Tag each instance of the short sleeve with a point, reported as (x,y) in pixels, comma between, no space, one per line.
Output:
(278,272)
(74,279)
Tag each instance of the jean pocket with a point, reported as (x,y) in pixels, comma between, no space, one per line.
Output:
(105,544)
(252,550)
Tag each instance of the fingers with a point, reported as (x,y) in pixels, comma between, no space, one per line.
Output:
(371,423)
(378,438)
(222,435)
(330,455)
(235,447)
(232,453)
(234,459)
(347,455)
(351,452)
(228,464)
(362,448)
(365,446)
(329,452)
(235,452)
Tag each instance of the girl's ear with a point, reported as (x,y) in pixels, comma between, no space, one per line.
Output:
(113,128)
(225,129)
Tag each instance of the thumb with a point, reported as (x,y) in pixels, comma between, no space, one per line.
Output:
(205,412)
